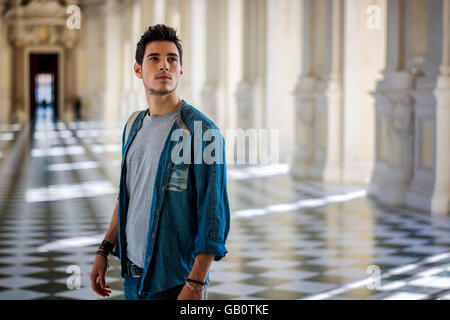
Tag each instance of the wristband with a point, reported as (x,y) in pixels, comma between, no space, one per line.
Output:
(195,281)
(106,246)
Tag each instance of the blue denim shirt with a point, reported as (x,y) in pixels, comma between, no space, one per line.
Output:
(190,212)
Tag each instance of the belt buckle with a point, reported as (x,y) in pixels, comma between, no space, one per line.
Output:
(134,270)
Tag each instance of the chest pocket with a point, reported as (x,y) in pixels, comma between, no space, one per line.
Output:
(178,178)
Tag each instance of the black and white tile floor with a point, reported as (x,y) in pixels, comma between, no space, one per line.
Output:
(288,240)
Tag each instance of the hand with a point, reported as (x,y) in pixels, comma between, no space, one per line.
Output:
(189,294)
(98,274)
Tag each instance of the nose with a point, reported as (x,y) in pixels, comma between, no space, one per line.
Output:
(164,65)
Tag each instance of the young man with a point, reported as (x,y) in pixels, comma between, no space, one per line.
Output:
(171,219)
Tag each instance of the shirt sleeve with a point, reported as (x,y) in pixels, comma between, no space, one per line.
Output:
(213,211)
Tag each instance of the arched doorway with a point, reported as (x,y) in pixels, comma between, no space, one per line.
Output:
(41,44)
(44,74)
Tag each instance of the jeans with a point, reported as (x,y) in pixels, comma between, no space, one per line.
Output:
(131,289)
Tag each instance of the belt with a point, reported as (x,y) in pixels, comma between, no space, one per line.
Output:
(134,270)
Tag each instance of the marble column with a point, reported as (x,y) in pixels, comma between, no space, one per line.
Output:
(178,14)
(394,116)
(423,57)
(69,84)
(215,42)
(318,153)
(364,61)
(152,12)
(232,63)
(93,51)
(69,40)
(113,60)
(131,86)
(440,199)
(16,37)
(193,32)
(412,109)
(145,13)
(327,163)
(305,99)
(250,92)
(6,73)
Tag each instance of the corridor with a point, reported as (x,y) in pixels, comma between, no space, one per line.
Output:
(340,111)
(288,239)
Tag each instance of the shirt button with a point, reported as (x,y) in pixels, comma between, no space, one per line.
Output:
(153,235)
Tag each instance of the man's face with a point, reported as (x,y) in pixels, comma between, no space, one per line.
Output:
(161,70)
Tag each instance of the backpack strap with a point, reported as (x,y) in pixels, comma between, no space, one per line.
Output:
(130,123)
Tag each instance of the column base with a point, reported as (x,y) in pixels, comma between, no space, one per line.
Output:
(440,204)
(385,189)
(420,192)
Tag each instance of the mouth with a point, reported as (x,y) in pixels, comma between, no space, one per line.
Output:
(163,78)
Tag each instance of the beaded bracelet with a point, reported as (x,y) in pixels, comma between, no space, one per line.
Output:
(103,253)
(194,289)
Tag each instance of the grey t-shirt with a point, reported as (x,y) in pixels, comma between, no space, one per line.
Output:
(142,163)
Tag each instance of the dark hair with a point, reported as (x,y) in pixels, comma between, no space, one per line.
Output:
(158,32)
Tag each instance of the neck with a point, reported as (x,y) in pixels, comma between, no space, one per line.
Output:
(159,105)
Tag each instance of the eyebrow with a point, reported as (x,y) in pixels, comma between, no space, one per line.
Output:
(157,55)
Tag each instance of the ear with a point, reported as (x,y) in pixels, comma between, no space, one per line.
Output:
(181,70)
(138,70)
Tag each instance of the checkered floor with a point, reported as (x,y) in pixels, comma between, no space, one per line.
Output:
(288,239)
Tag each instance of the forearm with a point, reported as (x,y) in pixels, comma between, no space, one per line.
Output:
(201,266)
(193,291)
(112,233)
